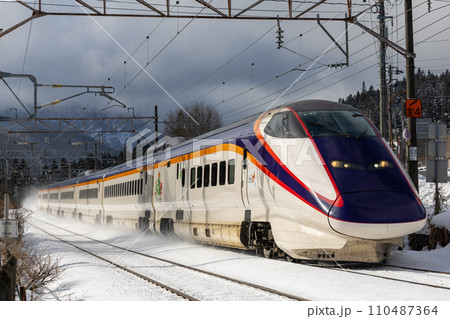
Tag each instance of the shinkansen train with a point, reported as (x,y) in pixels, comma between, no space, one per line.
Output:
(312,180)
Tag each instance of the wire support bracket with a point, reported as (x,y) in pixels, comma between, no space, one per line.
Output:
(345,52)
(386,41)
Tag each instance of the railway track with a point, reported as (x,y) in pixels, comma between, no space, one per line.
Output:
(113,263)
(387,268)
(418,269)
(266,290)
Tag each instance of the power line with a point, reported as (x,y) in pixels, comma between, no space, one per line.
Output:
(241,107)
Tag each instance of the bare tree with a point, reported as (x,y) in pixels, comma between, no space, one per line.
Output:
(181,123)
(35,266)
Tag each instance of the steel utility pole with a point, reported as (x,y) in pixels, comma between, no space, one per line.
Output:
(411,94)
(383,100)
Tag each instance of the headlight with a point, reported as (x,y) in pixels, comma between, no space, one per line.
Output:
(381,165)
(345,165)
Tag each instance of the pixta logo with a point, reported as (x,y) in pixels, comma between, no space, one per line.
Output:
(136,145)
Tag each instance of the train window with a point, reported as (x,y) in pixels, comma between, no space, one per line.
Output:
(67,195)
(222,172)
(337,122)
(178,170)
(285,125)
(214,174)
(206,176)
(168,164)
(231,171)
(199,176)
(92,193)
(192,180)
(141,187)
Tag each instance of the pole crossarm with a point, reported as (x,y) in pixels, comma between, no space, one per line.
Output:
(189,9)
(195,9)
(75,125)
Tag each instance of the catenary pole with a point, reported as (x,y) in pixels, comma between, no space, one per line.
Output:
(411,94)
(383,100)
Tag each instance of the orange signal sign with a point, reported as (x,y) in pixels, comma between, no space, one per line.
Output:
(413,108)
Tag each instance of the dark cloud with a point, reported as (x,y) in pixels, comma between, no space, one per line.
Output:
(80,50)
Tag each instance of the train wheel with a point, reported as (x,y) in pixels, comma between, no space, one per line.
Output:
(268,252)
(290,259)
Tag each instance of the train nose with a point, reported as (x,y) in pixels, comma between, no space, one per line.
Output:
(376,214)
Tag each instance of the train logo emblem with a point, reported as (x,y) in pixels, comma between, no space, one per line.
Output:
(251,179)
(158,187)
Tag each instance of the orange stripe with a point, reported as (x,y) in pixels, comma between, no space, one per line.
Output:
(211,150)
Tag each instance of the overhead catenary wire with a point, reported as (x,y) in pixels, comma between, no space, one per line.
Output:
(274,78)
(243,107)
(239,94)
(235,57)
(143,68)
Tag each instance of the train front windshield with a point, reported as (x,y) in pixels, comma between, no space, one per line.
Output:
(330,123)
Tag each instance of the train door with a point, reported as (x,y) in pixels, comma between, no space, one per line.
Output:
(150,213)
(102,198)
(179,182)
(244,179)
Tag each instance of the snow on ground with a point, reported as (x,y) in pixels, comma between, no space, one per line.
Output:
(439,258)
(85,278)
(89,279)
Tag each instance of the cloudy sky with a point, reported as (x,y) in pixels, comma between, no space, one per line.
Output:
(232,64)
